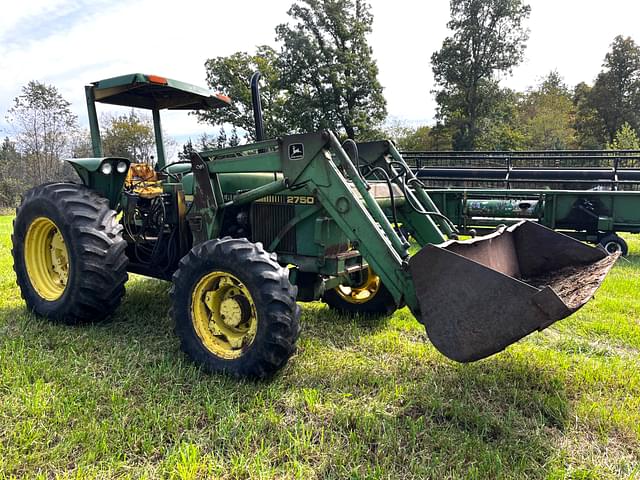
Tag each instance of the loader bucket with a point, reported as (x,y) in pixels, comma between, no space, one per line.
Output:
(479,296)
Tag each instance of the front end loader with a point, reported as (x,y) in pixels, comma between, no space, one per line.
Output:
(245,232)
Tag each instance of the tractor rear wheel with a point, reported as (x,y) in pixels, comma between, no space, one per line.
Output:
(370,298)
(234,308)
(68,253)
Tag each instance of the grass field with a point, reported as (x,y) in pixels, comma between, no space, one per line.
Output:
(361,399)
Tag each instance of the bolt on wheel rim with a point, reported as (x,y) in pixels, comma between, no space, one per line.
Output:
(224,314)
(362,293)
(46,259)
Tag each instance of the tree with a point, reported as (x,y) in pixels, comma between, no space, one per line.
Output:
(81,146)
(488,38)
(130,136)
(421,138)
(501,128)
(10,162)
(187,148)
(409,138)
(231,75)
(548,115)
(206,142)
(210,142)
(328,68)
(221,139)
(590,130)
(323,77)
(11,174)
(397,130)
(625,139)
(44,127)
(234,140)
(616,92)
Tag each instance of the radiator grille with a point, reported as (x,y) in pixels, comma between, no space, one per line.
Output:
(268,220)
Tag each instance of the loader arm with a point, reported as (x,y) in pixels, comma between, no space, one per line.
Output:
(474,297)
(418,212)
(319,171)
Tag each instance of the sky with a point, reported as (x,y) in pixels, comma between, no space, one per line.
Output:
(69,43)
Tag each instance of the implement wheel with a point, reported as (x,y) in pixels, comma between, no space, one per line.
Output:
(234,308)
(68,253)
(370,298)
(613,244)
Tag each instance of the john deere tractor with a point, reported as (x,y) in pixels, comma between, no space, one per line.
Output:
(244,233)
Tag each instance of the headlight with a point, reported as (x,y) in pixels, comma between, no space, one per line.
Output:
(122,167)
(106,168)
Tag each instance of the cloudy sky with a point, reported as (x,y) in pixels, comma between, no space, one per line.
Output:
(69,43)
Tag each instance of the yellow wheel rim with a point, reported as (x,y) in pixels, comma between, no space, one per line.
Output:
(223,314)
(362,293)
(46,258)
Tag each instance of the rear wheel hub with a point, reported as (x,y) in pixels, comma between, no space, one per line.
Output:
(363,292)
(46,259)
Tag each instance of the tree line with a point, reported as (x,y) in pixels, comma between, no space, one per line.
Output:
(322,74)
(487,41)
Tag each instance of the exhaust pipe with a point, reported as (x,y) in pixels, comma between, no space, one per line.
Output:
(257,105)
(478,296)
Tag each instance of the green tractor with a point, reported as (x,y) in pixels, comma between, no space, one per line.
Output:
(244,233)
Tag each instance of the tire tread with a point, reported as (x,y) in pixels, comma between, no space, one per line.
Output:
(102,263)
(275,301)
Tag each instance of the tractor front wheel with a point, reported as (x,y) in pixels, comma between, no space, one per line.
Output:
(370,297)
(234,308)
(68,253)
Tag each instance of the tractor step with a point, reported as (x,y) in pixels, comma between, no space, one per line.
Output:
(479,296)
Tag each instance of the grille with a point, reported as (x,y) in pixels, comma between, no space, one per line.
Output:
(268,220)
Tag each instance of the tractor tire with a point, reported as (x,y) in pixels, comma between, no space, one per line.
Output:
(369,299)
(612,243)
(68,253)
(234,308)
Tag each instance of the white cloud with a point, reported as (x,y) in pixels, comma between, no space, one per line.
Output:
(14,13)
(137,37)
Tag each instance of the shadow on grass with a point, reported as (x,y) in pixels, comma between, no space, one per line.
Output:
(499,417)
(141,320)
(317,318)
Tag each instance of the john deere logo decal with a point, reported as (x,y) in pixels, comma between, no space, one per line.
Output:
(296,151)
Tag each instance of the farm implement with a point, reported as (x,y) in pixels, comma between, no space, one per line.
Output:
(245,232)
(594,216)
(589,195)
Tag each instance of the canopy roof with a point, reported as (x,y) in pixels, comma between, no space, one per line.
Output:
(154,92)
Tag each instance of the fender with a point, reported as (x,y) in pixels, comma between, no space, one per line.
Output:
(109,185)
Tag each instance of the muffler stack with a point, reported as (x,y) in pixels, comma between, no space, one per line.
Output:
(479,296)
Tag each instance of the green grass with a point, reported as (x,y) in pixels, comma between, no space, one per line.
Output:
(361,399)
